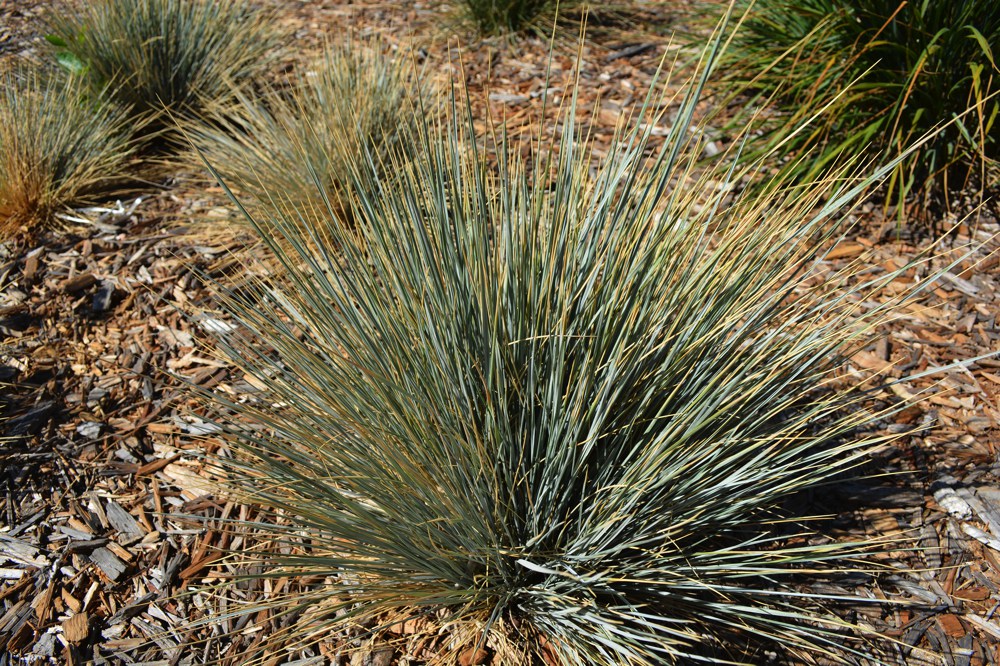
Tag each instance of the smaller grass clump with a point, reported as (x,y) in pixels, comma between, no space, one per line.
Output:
(165,54)
(59,146)
(357,105)
(919,66)
(499,17)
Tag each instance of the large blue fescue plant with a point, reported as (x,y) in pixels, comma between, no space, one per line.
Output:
(561,410)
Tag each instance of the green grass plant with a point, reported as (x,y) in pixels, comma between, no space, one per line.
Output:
(165,54)
(558,404)
(500,17)
(298,147)
(59,146)
(920,67)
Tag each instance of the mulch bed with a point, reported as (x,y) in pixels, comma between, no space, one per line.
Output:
(107,512)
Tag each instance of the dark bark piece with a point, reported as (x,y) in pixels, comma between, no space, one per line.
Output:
(122,521)
(629,51)
(30,268)
(79,283)
(109,563)
(83,546)
(132,609)
(103,296)
(30,422)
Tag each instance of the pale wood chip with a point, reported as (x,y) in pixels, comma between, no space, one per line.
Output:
(77,628)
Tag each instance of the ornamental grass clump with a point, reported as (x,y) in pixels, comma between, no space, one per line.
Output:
(556,407)
(59,146)
(165,54)
(498,17)
(920,67)
(298,147)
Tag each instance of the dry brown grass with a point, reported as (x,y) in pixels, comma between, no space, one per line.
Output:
(58,147)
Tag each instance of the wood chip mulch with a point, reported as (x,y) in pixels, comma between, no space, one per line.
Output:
(107,513)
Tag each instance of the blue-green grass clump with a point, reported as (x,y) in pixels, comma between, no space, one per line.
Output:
(179,56)
(556,405)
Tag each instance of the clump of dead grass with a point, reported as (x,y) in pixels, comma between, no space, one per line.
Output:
(60,145)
